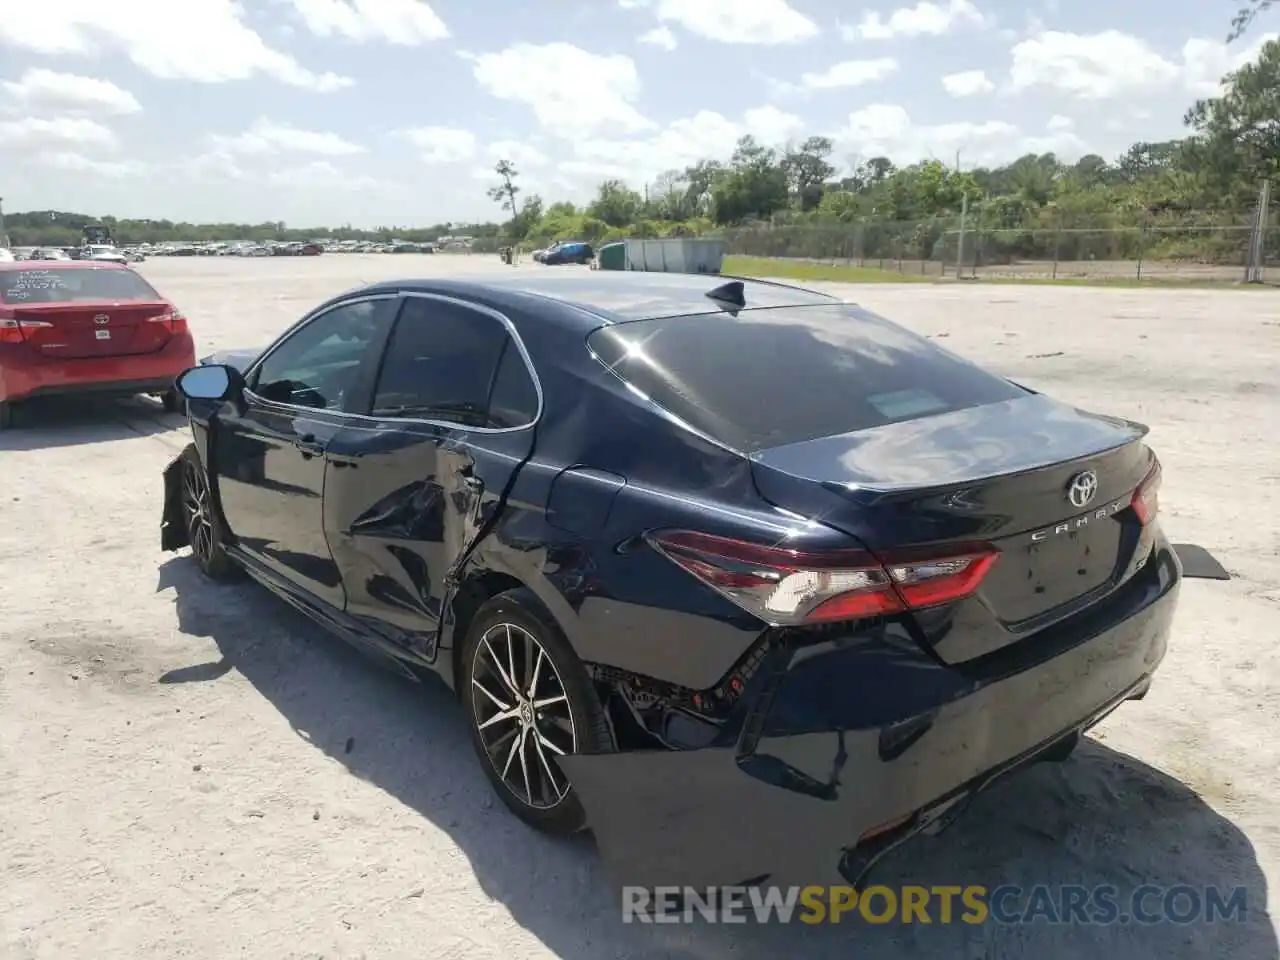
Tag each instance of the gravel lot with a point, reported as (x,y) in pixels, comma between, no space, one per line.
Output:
(189,770)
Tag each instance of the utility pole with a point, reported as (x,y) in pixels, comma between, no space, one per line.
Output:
(964,213)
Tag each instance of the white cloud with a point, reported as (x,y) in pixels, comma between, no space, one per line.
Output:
(1204,62)
(770,125)
(323,175)
(600,96)
(403,22)
(1111,64)
(1059,138)
(1095,67)
(45,91)
(201,40)
(78,163)
(519,153)
(704,135)
(926,18)
(660,37)
(967,83)
(442,144)
(34,134)
(851,73)
(268,137)
(739,21)
(888,130)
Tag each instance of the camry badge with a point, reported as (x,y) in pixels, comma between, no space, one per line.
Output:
(1082,488)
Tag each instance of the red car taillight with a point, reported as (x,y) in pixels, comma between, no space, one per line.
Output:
(173,319)
(786,587)
(11,330)
(1146,499)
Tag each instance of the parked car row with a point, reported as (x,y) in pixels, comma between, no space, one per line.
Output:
(291,248)
(102,252)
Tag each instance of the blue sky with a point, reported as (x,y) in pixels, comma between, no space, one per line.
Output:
(393,111)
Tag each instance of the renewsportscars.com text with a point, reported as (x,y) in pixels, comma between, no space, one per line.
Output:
(1007,904)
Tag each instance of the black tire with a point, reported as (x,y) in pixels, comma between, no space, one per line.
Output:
(6,415)
(572,719)
(202,521)
(171,400)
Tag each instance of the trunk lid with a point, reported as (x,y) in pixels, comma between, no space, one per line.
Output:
(1000,473)
(81,330)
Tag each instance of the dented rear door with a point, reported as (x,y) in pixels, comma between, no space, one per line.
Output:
(413,484)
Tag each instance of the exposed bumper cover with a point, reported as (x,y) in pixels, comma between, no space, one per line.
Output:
(173,533)
(791,798)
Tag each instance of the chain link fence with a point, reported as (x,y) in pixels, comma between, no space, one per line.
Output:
(1191,247)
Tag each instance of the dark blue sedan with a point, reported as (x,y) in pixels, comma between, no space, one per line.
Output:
(740,575)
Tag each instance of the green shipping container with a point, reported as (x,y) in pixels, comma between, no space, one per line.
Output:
(613,256)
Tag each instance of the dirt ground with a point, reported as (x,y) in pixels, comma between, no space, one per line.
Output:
(190,770)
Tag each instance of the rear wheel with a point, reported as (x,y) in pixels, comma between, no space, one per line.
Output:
(529,701)
(172,401)
(203,525)
(6,414)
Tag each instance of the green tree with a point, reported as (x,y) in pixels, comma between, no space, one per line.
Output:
(807,170)
(504,193)
(1240,130)
(616,204)
(1245,16)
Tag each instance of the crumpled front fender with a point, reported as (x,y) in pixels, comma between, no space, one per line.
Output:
(173,532)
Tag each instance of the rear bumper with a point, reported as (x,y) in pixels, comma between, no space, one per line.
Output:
(24,374)
(833,765)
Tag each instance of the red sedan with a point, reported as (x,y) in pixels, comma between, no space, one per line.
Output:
(86,327)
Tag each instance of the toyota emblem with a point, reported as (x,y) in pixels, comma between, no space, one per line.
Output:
(102,319)
(1083,488)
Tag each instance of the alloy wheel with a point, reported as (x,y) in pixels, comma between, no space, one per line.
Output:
(195,505)
(522,713)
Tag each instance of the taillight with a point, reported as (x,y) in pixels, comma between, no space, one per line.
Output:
(174,320)
(785,587)
(11,330)
(1146,499)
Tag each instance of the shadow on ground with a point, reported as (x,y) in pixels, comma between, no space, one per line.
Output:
(48,422)
(1101,818)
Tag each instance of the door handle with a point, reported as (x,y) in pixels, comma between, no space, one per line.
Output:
(308,447)
(343,462)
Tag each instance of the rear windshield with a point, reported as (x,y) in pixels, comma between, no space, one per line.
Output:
(783,375)
(69,285)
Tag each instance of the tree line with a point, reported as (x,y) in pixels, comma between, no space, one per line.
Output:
(1158,198)
(1191,197)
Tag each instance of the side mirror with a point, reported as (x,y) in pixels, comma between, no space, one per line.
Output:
(215,381)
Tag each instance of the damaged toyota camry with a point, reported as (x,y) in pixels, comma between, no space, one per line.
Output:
(743,577)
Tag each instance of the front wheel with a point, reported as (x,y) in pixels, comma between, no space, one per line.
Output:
(529,701)
(203,525)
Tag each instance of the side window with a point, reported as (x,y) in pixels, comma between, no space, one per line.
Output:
(513,401)
(441,363)
(317,365)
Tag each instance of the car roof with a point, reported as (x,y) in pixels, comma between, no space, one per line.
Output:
(621,295)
